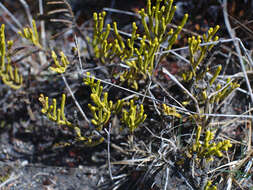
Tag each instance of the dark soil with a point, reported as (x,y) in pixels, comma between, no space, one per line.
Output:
(32,151)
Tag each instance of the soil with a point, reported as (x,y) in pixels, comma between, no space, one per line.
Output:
(33,155)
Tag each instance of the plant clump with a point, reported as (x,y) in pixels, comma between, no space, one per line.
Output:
(140,59)
(125,105)
(8,73)
(208,149)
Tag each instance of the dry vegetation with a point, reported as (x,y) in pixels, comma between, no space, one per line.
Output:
(156,97)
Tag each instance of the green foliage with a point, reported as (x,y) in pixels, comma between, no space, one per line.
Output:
(134,116)
(207,90)
(101,111)
(57,115)
(171,111)
(140,59)
(59,68)
(209,186)
(103,108)
(201,82)
(140,55)
(195,48)
(31,34)
(198,53)
(5,173)
(52,112)
(8,73)
(207,149)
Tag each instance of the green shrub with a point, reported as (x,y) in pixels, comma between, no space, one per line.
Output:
(140,53)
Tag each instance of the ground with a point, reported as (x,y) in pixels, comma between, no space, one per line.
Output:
(35,153)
